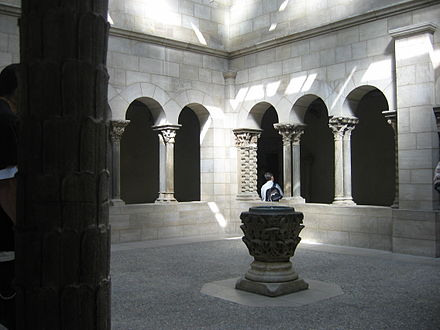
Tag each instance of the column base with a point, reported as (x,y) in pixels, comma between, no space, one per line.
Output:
(271,289)
(295,199)
(248,197)
(343,201)
(165,198)
(117,202)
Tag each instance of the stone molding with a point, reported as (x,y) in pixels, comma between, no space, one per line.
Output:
(230,75)
(117,129)
(370,16)
(410,30)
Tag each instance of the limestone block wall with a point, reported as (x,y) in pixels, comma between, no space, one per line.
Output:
(9,41)
(152,221)
(193,21)
(257,21)
(174,79)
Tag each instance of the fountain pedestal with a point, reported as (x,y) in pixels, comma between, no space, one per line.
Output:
(271,233)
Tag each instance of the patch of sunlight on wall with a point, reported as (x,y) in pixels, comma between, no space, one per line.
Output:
(159,11)
(283,5)
(199,34)
(343,87)
(415,47)
(273,27)
(272,88)
(378,70)
(300,84)
(239,98)
(109,19)
(255,93)
(218,215)
(205,129)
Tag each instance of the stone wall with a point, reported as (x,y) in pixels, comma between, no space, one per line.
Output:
(191,21)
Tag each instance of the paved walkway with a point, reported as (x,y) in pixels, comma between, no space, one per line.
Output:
(157,285)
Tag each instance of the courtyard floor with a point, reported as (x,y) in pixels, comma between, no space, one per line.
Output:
(157,285)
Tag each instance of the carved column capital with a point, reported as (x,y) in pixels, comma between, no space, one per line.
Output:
(291,133)
(117,129)
(230,75)
(391,117)
(342,125)
(245,137)
(167,132)
(437,117)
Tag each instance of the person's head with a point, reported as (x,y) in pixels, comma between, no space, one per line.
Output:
(8,81)
(268,176)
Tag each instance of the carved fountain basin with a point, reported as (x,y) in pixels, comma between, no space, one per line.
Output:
(271,234)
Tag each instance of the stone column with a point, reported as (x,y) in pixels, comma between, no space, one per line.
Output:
(342,127)
(117,129)
(62,232)
(286,131)
(391,117)
(296,163)
(246,143)
(414,52)
(167,135)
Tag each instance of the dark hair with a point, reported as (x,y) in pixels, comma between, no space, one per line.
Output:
(268,176)
(8,80)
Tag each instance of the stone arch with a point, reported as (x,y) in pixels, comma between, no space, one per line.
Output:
(151,95)
(254,116)
(373,148)
(300,107)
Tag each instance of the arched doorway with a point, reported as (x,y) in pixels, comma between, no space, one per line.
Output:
(373,159)
(317,155)
(270,149)
(139,156)
(187,158)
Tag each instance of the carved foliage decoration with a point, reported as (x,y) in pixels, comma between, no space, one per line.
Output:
(271,238)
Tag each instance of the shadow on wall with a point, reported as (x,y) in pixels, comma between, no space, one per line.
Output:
(270,150)
(139,157)
(317,156)
(372,144)
(187,158)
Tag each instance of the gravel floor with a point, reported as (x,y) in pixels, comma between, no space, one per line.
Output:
(158,287)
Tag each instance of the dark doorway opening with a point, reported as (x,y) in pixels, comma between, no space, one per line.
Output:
(270,149)
(139,157)
(373,161)
(187,158)
(317,156)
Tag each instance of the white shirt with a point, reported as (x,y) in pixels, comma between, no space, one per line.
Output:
(267,186)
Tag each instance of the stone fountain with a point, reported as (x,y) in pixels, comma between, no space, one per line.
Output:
(271,233)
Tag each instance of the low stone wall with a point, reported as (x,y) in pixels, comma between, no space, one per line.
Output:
(138,222)
(373,227)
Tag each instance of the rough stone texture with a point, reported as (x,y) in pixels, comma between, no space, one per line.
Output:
(62,232)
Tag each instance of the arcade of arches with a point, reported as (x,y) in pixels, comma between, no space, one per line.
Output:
(340,110)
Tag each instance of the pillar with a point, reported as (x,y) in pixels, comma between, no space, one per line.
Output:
(298,131)
(286,131)
(391,117)
(229,77)
(416,127)
(246,143)
(342,128)
(63,232)
(167,136)
(117,129)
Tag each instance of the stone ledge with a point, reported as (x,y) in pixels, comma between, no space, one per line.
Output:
(317,291)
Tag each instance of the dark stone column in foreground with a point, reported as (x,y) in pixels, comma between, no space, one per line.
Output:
(62,234)
(271,234)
